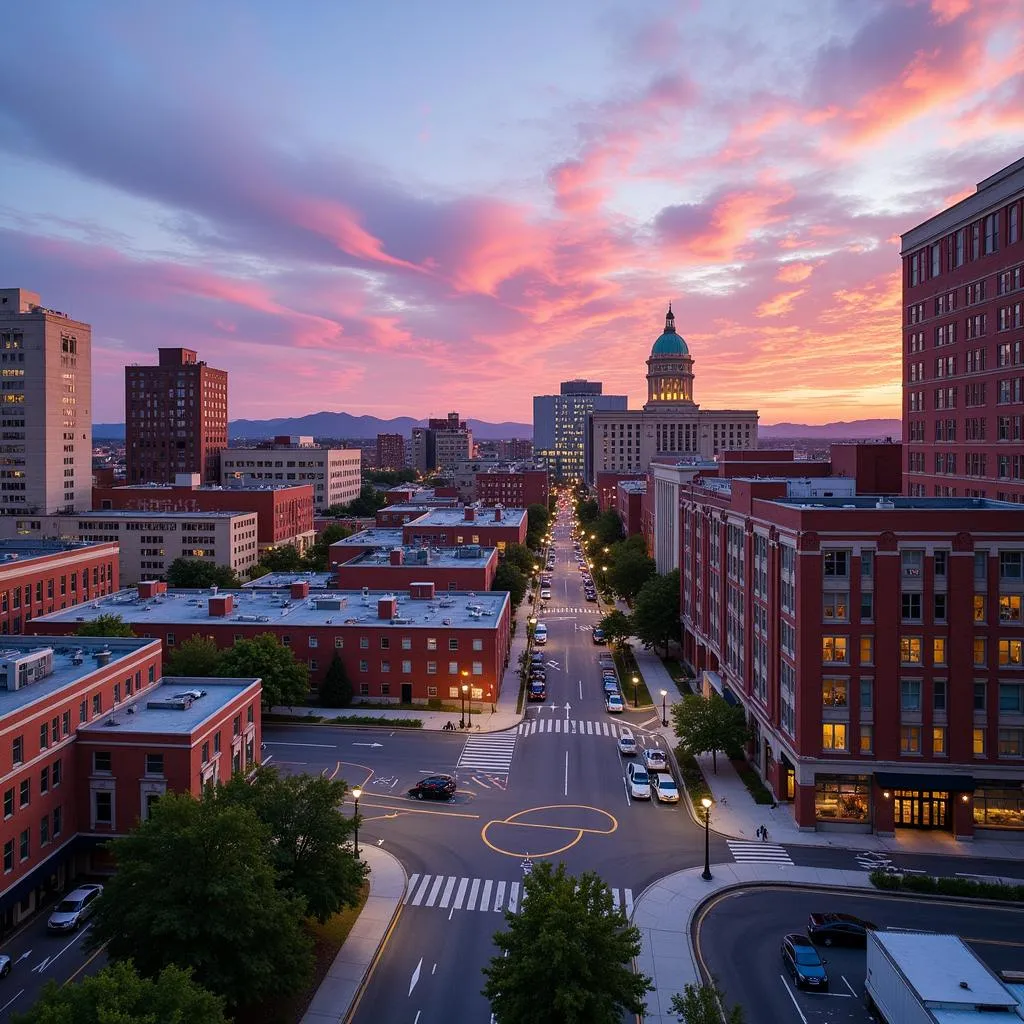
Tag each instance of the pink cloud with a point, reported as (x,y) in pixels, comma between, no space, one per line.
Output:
(794,273)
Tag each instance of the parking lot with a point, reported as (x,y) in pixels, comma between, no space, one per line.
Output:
(739,937)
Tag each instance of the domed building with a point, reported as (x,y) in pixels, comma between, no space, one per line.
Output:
(670,423)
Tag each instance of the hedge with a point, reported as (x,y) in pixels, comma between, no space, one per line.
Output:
(693,777)
(939,886)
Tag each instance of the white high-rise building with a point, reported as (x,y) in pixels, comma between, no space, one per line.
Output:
(45,408)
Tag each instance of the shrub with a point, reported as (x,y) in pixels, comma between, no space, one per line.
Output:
(963,887)
(755,787)
(693,778)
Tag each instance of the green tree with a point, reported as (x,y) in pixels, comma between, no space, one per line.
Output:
(704,1004)
(195,886)
(630,569)
(105,625)
(369,500)
(508,577)
(197,573)
(336,689)
(285,680)
(617,626)
(283,558)
(566,957)
(608,527)
(521,557)
(317,556)
(196,656)
(310,837)
(118,994)
(709,724)
(656,611)
(538,518)
(587,511)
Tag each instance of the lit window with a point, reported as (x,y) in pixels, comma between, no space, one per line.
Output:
(833,736)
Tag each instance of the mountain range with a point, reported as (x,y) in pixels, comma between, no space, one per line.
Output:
(342,425)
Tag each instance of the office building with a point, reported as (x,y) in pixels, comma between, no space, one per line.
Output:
(512,486)
(560,436)
(390,451)
(441,444)
(176,418)
(46,370)
(963,345)
(514,449)
(670,423)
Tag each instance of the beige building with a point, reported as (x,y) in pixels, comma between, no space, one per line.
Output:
(150,541)
(670,423)
(45,407)
(334,473)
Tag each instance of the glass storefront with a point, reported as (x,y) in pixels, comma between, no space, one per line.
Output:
(921,808)
(842,797)
(998,806)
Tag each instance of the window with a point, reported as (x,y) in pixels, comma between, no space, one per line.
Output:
(867,650)
(385,666)
(453,668)
(44,779)
(431,668)
(910,650)
(406,643)
(911,604)
(837,564)
(912,562)
(833,736)
(478,644)
(834,649)
(867,606)
(155,763)
(939,695)
(980,693)
(1011,698)
(385,643)
(65,724)
(978,742)
(980,651)
(910,739)
(57,823)
(216,749)
(431,643)
(406,668)
(835,605)
(8,856)
(103,807)
(18,750)
(1009,607)
(364,665)
(97,703)
(312,641)
(867,565)
(339,642)
(1011,653)
(205,752)
(866,739)
(939,650)
(101,761)
(9,803)
(364,643)
(867,694)
(56,771)
(23,845)
(1011,565)
(44,735)
(939,608)
(910,695)
(941,562)
(453,643)
(24,793)
(833,693)
(44,830)
(1011,742)
(939,741)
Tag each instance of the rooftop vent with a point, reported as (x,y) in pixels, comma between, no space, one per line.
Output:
(885,503)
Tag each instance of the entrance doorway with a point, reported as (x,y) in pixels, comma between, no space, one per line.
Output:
(406,693)
(921,808)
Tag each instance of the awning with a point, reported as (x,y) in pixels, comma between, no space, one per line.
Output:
(935,783)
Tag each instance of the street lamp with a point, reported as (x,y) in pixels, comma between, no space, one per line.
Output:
(462,721)
(664,713)
(357,793)
(706,804)
(636,681)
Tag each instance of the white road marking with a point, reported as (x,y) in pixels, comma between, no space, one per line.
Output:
(12,1000)
(281,743)
(789,992)
(499,896)
(848,985)
(485,896)
(473,890)
(447,895)
(415,977)
(566,791)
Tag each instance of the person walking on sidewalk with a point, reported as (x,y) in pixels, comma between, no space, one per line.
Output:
(762,833)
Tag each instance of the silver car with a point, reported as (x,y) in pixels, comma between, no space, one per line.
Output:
(72,911)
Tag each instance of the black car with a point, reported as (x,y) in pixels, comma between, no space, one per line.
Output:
(839,930)
(804,964)
(537,658)
(434,787)
(538,690)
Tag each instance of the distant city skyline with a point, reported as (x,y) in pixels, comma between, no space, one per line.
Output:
(400,210)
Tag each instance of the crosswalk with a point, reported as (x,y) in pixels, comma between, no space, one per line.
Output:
(490,753)
(484,895)
(570,726)
(757,853)
(591,609)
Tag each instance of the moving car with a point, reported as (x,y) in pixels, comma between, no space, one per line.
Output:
(613,704)
(72,911)
(599,635)
(665,787)
(804,964)
(639,781)
(434,787)
(839,930)
(538,690)
(540,634)
(627,742)
(654,759)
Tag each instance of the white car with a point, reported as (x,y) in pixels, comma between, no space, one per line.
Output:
(540,634)
(613,704)
(639,781)
(545,593)
(654,759)
(665,786)
(627,742)
(72,911)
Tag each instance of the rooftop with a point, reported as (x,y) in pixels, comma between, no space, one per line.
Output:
(633,486)
(12,551)
(278,580)
(230,485)
(464,556)
(483,517)
(190,609)
(897,503)
(117,513)
(74,658)
(376,536)
(163,709)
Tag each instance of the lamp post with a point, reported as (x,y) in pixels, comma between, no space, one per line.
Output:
(706,804)
(636,681)
(462,721)
(664,713)
(356,794)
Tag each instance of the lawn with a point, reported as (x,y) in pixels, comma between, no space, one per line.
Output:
(681,675)
(627,668)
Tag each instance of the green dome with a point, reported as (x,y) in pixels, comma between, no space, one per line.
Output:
(670,343)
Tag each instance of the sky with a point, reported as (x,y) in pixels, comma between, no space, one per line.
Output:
(407,208)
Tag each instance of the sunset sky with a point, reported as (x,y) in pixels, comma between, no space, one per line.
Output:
(402,208)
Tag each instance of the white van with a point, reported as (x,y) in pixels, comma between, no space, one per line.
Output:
(627,744)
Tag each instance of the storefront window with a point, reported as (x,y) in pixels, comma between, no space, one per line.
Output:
(998,808)
(841,797)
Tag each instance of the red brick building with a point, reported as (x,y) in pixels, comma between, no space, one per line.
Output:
(606,483)
(400,646)
(390,451)
(285,512)
(876,646)
(518,488)
(449,569)
(70,780)
(963,345)
(176,418)
(450,527)
(629,503)
(37,577)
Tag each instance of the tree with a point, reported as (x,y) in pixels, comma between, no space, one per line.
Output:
(285,680)
(369,500)
(196,573)
(709,724)
(196,656)
(105,625)
(195,886)
(318,554)
(521,557)
(587,511)
(656,611)
(309,836)
(336,689)
(538,518)
(566,958)
(283,558)
(119,995)
(630,569)
(617,626)
(508,577)
(704,1004)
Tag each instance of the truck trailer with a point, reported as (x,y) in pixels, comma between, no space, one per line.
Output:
(928,978)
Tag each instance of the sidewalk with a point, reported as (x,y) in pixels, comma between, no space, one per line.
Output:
(344,981)
(665,909)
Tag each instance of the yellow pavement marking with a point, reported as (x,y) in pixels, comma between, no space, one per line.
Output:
(576,831)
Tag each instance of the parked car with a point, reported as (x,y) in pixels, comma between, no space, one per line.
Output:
(538,690)
(613,704)
(599,635)
(545,593)
(804,964)
(609,686)
(434,787)
(627,742)
(5,965)
(537,658)
(591,595)
(654,759)
(639,781)
(540,634)
(665,787)
(74,908)
(839,930)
